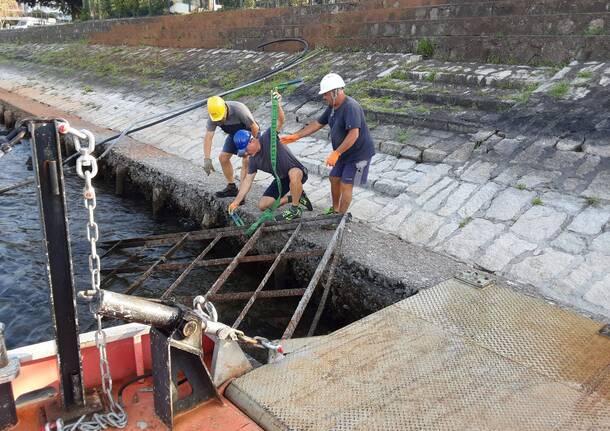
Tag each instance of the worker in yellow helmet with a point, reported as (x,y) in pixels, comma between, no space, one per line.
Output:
(230,117)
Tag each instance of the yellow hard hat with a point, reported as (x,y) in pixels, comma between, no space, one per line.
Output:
(216,108)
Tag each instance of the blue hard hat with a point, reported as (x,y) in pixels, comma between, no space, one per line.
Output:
(241,138)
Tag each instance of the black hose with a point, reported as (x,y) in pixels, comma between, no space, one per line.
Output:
(130,382)
(136,379)
(184,110)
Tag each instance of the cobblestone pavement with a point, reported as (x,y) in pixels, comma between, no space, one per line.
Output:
(532,207)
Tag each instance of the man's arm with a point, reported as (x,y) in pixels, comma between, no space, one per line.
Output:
(254,128)
(244,189)
(311,128)
(350,139)
(280,116)
(207,144)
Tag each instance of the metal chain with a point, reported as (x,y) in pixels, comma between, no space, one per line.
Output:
(116,416)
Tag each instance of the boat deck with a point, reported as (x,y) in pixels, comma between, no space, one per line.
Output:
(453,357)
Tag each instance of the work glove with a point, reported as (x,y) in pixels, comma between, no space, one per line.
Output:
(332,158)
(232,207)
(288,139)
(208,167)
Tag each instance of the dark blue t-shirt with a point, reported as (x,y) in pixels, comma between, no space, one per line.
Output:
(262,160)
(346,117)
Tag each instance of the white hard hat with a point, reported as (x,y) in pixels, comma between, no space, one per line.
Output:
(330,82)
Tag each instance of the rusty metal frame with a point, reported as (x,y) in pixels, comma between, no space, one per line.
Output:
(260,286)
(178,240)
(332,246)
(169,253)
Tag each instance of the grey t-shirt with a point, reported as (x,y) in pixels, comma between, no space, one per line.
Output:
(238,117)
(346,117)
(262,160)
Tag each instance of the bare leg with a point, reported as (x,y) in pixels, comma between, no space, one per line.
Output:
(296,185)
(335,191)
(267,201)
(346,197)
(227,168)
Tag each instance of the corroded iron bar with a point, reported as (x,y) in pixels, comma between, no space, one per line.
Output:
(155,265)
(229,269)
(332,245)
(211,233)
(111,249)
(329,280)
(265,294)
(189,268)
(110,277)
(219,262)
(260,286)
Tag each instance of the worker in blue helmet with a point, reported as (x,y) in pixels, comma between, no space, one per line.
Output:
(241,139)
(291,172)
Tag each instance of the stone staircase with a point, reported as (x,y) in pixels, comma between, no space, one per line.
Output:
(535,32)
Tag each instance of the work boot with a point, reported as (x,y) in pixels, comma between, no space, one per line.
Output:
(230,191)
(290,214)
(303,201)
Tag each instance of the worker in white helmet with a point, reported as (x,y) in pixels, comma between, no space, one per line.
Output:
(350,138)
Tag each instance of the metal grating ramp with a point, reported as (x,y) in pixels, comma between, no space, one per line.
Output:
(453,357)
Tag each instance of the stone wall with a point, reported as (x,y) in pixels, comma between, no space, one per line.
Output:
(537,31)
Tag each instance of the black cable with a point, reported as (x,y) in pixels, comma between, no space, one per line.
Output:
(130,382)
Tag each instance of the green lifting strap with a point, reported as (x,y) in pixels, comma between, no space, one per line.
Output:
(268,214)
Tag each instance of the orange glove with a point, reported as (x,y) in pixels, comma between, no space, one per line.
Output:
(232,207)
(288,139)
(332,158)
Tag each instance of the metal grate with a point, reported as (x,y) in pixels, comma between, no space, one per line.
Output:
(449,358)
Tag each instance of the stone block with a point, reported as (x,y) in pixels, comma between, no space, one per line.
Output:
(506,147)
(539,223)
(602,243)
(433,155)
(600,186)
(566,203)
(461,155)
(433,191)
(503,250)
(420,227)
(570,243)
(429,179)
(590,221)
(393,222)
(409,152)
(365,209)
(601,149)
(568,144)
(591,162)
(436,201)
(479,172)
(537,178)
(466,243)
(391,147)
(544,268)
(509,204)
(479,200)
(403,165)
(457,198)
(563,161)
(389,187)
(422,142)
(599,294)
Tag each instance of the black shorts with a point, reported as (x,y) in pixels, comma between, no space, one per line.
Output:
(273,192)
